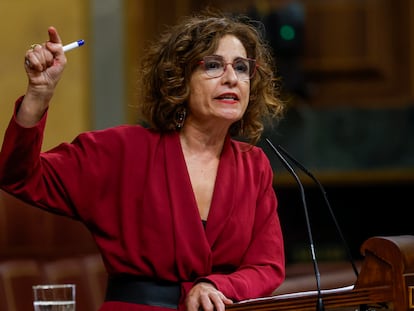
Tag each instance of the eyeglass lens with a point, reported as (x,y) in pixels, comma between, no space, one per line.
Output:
(215,66)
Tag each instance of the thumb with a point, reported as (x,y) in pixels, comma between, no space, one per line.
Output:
(54,35)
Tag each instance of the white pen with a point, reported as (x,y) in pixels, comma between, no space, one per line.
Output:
(73,45)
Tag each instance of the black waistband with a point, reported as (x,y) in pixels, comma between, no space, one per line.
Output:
(134,290)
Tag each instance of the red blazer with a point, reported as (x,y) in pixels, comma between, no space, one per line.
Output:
(130,187)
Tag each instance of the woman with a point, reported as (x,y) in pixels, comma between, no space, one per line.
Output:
(184,215)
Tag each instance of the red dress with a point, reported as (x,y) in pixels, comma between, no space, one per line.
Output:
(130,187)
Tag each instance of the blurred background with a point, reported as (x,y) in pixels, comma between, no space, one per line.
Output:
(347,71)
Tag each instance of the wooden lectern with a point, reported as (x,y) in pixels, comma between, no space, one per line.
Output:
(385,282)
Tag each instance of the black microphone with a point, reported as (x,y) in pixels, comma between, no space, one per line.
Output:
(320,304)
(322,189)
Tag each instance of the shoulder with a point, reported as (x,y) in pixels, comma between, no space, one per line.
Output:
(251,155)
(252,161)
(119,134)
(247,150)
(121,139)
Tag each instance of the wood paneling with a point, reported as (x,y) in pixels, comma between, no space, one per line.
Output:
(144,20)
(353,52)
(26,231)
(356,52)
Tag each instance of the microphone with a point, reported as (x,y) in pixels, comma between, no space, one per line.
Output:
(320,304)
(322,189)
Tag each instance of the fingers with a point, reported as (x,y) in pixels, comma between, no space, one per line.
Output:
(54,35)
(55,43)
(204,296)
(208,302)
(38,58)
(34,45)
(212,302)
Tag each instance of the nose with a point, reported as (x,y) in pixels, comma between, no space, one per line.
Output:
(229,75)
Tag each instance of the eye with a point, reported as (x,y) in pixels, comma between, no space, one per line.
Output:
(213,64)
(241,66)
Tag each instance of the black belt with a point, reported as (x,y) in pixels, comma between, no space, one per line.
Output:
(135,290)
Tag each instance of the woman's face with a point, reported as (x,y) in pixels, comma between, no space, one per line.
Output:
(220,99)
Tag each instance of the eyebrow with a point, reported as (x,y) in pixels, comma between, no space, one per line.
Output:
(236,58)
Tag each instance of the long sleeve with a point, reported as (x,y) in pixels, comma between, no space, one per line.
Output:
(130,187)
(20,152)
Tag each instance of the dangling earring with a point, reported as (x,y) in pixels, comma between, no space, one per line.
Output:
(180,115)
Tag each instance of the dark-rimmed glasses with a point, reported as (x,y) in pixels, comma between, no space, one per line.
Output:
(215,66)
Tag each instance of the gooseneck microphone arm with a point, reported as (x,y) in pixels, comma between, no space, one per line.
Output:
(322,189)
(320,305)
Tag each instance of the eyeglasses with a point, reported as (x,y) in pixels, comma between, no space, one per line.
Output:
(215,66)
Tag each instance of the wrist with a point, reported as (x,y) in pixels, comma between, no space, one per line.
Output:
(31,110)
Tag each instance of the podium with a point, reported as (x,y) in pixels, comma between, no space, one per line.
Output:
(385,282)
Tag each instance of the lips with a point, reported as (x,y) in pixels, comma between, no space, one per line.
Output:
(228,96)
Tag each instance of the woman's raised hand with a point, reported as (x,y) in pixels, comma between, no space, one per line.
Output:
(44,64)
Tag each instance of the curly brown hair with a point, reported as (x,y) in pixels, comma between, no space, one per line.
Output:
(170,61)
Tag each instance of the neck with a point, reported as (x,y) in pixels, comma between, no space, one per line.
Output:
(202,142)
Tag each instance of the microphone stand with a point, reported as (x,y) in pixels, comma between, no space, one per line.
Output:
(322,189)
(320,305)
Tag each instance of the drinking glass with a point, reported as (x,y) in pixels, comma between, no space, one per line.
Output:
(54,297)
